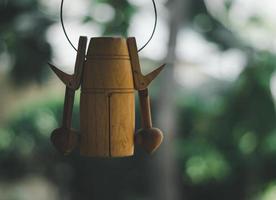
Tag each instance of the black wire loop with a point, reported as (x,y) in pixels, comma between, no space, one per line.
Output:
(140,49)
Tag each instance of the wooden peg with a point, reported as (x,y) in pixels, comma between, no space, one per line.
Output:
(65,78)
(148,137)
(65,139)
(73,81)
(141,82)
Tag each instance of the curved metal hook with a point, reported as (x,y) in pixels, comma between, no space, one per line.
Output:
(151,36)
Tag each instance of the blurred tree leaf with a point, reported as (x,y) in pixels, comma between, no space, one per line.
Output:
(242,133)
(22,36)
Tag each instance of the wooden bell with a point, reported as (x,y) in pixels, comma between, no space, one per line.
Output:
(109,73)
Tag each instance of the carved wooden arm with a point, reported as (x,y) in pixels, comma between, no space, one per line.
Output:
(148,137)
(65,139)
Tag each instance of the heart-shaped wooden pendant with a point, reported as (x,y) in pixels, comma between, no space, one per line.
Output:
(150,139)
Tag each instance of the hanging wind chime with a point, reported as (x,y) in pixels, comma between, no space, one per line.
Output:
(108,74)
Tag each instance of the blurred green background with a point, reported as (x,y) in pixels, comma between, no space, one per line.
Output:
(214,101)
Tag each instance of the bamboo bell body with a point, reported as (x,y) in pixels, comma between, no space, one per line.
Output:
(108,75)
(107,107)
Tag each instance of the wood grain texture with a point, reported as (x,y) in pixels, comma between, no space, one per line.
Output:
(65,139)
(141,82)
(145,108)
(122,121)
(148,137)
(107,100)
(108,77)
(73,81)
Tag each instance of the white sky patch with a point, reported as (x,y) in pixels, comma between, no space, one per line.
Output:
(189,76)
(216,7)
(64,55)
(139,3)
(102,12)
(192,47)
(203,56)
(273,85)
(269,192)
(207,59)
(71,9)
(225,65)
(142,3)
(141,27)
(260,35)
(76,9)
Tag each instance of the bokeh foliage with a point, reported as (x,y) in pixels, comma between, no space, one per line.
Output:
(225,150)
(233,145)
(22,36)
(25,148)
(120,22)
(23,27)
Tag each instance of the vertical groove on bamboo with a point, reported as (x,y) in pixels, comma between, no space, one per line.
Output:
(107,107)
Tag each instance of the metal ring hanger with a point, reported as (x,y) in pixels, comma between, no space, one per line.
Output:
(140,49)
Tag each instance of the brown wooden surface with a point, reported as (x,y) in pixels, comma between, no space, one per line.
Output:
(79,65)
(145,108)
(141,82)
(65,139)
(73,81)
(148,137)
(122,121)
(107,106)
(107,100)
(68,107)
(94,124)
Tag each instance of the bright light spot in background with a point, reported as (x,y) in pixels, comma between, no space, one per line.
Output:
(63,54)
(216,7)
(205,57)
(253,20)
(139,3)
(189,76)
(201,55)
(141,27)
(248,143)
(202,168)
(45,121)
(269,193)
(273,85)
(225,65)
(74,11)
(71,9)
(103,12)
(142,3)
(192,47)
